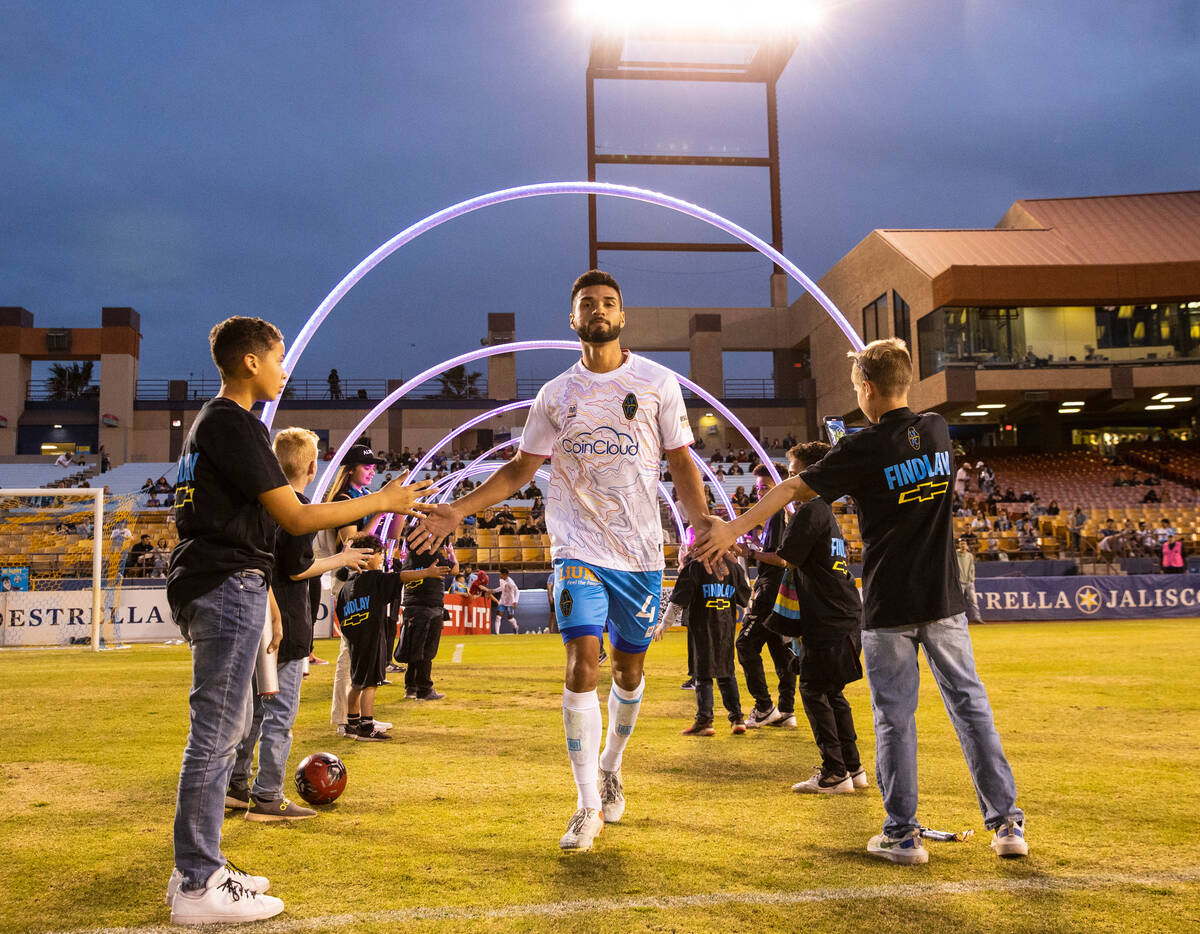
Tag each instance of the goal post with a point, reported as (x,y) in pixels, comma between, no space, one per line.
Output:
(43,549)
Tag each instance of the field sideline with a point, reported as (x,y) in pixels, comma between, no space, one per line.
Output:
(455,825)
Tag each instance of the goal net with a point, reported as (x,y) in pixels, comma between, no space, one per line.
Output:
(79,568)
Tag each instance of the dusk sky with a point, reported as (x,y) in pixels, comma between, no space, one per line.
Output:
(195,160)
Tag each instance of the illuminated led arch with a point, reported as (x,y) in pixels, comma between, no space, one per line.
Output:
(531,191)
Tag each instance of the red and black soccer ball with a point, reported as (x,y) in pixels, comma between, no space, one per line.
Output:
(321,778)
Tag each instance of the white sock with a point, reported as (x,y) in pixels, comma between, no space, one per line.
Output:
(582,724)
(623,707)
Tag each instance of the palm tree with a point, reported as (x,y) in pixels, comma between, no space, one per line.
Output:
(70,382)
(457,383)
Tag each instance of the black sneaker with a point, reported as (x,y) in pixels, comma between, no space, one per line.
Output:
(237,796)
(375,736)
(688,685)
(410,695)
(431,695)
(279,809)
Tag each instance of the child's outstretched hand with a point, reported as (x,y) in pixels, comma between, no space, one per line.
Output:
(355,558)
(404,498)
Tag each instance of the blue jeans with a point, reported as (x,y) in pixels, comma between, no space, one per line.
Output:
(270,728)
(223,627)
(891,663)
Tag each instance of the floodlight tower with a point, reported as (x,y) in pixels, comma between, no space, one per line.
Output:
(765,33)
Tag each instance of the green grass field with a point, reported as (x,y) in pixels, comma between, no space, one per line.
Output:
(454,826)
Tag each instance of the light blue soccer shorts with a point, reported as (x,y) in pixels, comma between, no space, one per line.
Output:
(585,596)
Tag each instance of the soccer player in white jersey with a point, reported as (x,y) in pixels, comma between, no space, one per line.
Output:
(605,424)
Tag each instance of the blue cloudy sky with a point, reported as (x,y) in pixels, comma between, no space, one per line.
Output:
(199,159)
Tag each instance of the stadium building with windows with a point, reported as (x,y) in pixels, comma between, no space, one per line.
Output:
(1074,321)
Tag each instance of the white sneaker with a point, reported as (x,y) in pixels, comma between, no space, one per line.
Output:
(816,785)
(259,884)
(382,725)
(786,721)
(859,778)
(585,825)
(907,850)
(612,796)
(1009,839)
(757,718)
(223,900)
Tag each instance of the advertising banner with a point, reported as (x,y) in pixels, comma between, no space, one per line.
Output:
(1136,596)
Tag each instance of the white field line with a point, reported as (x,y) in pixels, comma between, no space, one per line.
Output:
(677,902)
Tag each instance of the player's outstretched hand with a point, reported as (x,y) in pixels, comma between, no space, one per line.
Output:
(404,497)
(437,523)
(355,558)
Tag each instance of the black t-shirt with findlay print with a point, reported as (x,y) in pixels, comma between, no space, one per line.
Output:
(813,543)
(294,555)
(900,473)
(226,463)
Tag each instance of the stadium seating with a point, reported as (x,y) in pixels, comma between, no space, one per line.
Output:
(32,476)
(128,478)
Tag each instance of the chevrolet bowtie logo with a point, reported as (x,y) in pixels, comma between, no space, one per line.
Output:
(355,619)
(719,603)
(840,567)
(185,495)
(924,491)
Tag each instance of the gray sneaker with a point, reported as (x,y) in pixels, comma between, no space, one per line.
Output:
(612,796)
(279,809)
(237,797)
(258,884)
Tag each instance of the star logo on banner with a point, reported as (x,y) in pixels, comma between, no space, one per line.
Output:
(1087,599)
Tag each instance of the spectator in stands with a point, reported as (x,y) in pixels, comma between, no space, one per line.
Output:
(1164,531)
(1151,496)
(152,500)
(538,509)
(962,479)
(720,471)
(1053,509)
(986,478)
(1009,496)
(63,460)
(508,528)
(1172,556)
(526,528)
(105,460)
(736,470)
(1027,540)
(533,491)
(120,535)
(504,514)
(459,584)
(335,384)
(79,460)
(465,540)
(136,562)
(1113,545)
(85,528)
(979,522)
(1003,523)
(1110,526)
(65,527)
(488,520)
(966,579)
(148,486)
(739,498)
(1144,541)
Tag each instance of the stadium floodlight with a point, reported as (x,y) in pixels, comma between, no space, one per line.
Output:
(992,405)
(1081,404)
(1069,411)
(972,414)
(1159,407)
(1178,399)
(720,17)
(1160,395)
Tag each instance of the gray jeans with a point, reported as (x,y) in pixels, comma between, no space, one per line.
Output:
(223,627)
(269,726)
(891,663)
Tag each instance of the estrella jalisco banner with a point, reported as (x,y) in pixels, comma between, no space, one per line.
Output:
(1137,596)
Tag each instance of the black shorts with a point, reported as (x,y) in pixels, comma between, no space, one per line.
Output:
(368,653)
(830,662)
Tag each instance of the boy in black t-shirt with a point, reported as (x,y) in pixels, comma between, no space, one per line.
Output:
(712,606)
(362,613)
(899,471)
(274,714)
(230,493)
(826,616)
(424,607)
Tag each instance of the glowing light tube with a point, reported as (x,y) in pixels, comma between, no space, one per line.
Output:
(532,191)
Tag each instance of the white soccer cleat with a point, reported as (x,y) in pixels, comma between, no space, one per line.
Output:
(612,796)
(223,900)
(258,884)
(583,828)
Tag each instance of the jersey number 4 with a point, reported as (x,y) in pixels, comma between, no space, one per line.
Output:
(645,612)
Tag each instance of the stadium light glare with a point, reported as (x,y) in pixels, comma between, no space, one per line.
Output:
(1069,411)
(1160,395)
(992,405)
(1160,407)
(1073,403)
(731,17)
(973,413)
(1178,399)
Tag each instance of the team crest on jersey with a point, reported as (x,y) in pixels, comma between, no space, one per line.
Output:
(565,603)
(914,439)
(572,410)
(629,406)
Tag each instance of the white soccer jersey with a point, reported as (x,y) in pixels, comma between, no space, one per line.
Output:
(605,434)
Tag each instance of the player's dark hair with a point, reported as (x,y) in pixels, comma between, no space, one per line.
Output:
(808,452)
(885,363)
(503,570)
(365,540)
(595,277)
(762,470)
(235,337)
